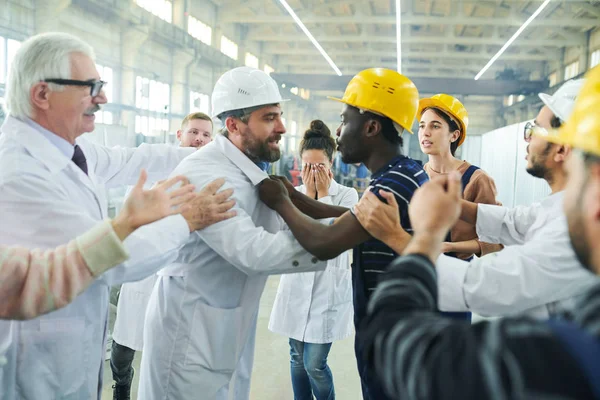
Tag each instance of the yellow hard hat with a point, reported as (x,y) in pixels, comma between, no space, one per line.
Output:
(384,92)
(451,106)
(582,129)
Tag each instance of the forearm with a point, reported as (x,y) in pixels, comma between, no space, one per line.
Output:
(316,209)
(466,247)
(311,234)
(398,241)
(323,241)
(36,282)
(468,212)
(429,245)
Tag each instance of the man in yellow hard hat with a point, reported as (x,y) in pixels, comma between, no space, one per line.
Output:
(378,106)
(417,354)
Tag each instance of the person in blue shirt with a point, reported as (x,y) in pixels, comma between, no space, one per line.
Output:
(379,105)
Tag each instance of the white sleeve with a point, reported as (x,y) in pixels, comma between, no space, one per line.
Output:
(515,279)
(253,250)
(47,214)
(502,225)
(114,166)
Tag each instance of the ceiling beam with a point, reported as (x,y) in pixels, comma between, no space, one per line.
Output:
(362,64)
(405,54)
(409,71)
(408,20)
(484,87)
(290,38)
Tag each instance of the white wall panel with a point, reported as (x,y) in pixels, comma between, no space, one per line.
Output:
(498,159)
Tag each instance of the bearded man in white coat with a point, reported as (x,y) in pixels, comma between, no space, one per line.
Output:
(52,185)
(201,318)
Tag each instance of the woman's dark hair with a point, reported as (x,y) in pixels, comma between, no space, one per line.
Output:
(318,137)
(453,125)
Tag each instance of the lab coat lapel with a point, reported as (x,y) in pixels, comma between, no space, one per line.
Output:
(42,150)
(251,170)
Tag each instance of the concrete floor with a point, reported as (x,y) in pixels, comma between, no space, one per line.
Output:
(270,377)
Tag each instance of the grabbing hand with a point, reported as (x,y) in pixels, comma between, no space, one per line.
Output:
(208,206)
(381,220)
(273,192)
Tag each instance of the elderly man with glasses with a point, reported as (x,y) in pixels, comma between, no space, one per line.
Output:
(537,273)
(52,189)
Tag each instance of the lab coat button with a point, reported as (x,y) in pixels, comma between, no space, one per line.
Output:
(295,263)
(315,260)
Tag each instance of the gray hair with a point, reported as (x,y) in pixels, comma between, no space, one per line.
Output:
(40,57)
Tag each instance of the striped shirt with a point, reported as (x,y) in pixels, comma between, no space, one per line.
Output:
(402,177)
(415,353)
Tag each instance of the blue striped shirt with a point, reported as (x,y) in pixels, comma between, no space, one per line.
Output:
(402,177)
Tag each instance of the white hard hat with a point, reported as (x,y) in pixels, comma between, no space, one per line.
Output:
(244,87)
(562,101)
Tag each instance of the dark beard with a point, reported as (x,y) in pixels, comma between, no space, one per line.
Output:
(260,151)
(538,171)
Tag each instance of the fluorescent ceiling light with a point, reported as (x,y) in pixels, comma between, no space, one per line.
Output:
(512,39)
(310,36)
(399,36)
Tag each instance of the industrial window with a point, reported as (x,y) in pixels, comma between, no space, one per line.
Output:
(200,30)
(305,94)
(2,60)
(595,58)
(509,100)
(571,70)
(8,49)
(163,9)
(199,102)
(229,48)
(152,96)
(553,79)
(251,60)
(292,138)
(268,69)
(106,74)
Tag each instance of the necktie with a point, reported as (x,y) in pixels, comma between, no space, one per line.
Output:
(79,159)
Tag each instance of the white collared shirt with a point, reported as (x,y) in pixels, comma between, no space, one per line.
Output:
(536,274)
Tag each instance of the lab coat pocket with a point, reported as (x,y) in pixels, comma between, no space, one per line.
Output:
(214,342)
(54,353)
(342,286)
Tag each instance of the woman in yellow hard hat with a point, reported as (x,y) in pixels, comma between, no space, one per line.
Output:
(443,122)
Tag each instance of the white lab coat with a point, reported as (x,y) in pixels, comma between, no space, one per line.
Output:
(316,307)
(45,201)
(201,319)
(131,309)
(536,274)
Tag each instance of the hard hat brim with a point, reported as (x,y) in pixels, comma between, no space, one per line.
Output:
(252,106)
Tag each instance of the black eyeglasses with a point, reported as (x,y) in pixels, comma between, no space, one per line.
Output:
(531,128)
(95,86)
